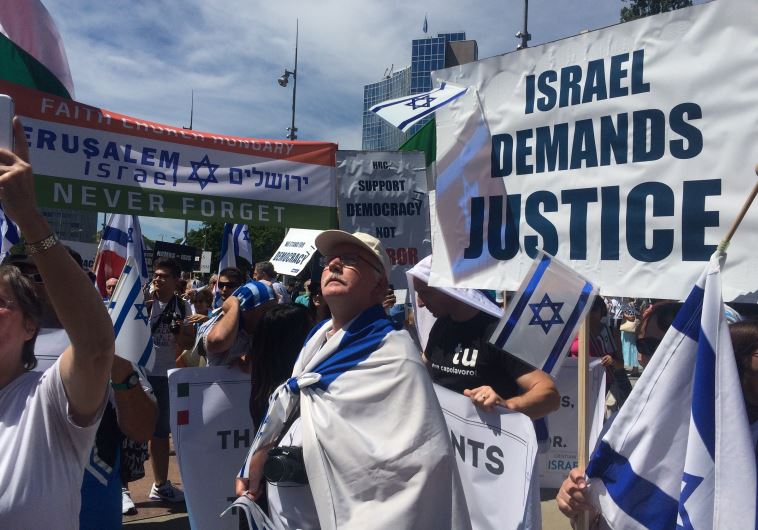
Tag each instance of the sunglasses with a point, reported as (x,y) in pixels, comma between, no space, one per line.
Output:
(226,285)
(347,260)
(647,345)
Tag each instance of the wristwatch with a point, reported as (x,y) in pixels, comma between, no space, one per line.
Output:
(41,246)
(129,382)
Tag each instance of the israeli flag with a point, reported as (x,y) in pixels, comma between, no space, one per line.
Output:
(545,314)
(679,453)
(9,234)
(405,111)
(235,243)
(131,322)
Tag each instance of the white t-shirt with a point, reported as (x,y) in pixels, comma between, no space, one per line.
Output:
(282,294)
(43,453)
(164,342)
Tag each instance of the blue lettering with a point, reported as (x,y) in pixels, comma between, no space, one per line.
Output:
(540,223)
(657,121)
(636,209)
(695,218)
(578,200)
(689,132)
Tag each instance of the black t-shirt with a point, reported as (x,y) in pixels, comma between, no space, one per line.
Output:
(460,357)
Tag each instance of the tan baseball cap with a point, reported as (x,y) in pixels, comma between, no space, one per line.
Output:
(328,239)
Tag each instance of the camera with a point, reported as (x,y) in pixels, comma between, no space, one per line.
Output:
(174,321)
(285,464)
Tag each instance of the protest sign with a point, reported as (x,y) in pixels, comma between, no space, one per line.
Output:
(385,194)
(617,151)
(561,456)
(212,431)
(94,159)
(183,254)
(495,452)
(295,252)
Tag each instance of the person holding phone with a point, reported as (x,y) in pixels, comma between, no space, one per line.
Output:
(48,420)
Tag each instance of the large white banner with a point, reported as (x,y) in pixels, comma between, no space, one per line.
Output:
(385,194)
(212,432)
(561,457)
(495,452)
(625,152)
(89,158)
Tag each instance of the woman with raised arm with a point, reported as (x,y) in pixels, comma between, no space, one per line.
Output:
(48,420)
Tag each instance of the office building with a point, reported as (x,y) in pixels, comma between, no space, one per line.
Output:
(72,225)
(427,54)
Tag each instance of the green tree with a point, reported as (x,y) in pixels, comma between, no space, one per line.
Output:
(266,239)
(642,8)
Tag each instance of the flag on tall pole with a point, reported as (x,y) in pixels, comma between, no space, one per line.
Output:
(403,112)
(130,318)
(545,314)
(121,239)
(679,454)
(235,243)
(9,234)
(426,25)
(31,50)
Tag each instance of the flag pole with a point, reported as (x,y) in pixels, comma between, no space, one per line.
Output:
(582,447)
(745,207)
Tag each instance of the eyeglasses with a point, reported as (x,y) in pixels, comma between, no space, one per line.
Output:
(347,260)
(7,304)
(226,285)
(647,345)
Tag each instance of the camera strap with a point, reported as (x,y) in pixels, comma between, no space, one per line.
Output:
(295,414)
(169,307)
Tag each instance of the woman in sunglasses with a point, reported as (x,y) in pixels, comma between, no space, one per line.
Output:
(48,420)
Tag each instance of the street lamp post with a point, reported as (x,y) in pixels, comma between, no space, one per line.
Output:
(524,34)
(284,79)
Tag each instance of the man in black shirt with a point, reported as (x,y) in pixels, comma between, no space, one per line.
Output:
(460,358)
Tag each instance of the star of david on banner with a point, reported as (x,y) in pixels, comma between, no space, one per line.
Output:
(205,162)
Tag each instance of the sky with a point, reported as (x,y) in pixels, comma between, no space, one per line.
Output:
(144,57)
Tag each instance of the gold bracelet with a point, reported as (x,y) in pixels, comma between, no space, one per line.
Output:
(41,246)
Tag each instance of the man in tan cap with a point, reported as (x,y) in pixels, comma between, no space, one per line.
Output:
(375,445)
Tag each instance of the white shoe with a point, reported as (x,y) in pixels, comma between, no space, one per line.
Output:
(167,492)
(127,504)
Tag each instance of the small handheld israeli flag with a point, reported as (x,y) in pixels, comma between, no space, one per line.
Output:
(9,234)
(131,322)
(545,314)
(235,243)
(405,111)
(679,454)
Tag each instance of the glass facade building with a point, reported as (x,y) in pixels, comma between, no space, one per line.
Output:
(427,55)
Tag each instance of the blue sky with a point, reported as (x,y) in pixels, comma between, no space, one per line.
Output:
(142,58)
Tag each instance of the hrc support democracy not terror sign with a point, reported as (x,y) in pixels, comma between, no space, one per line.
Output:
(93,159)
(625,152)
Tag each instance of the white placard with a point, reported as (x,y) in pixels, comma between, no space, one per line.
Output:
(295,252)
(625,152)
(495,452)
(385,194)
(561,457)
(212,431)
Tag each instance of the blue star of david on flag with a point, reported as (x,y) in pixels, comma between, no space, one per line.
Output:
(537,319)
(140,312)
(420,102)
(205,162)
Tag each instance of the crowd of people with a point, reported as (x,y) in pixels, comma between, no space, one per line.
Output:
(331,374)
